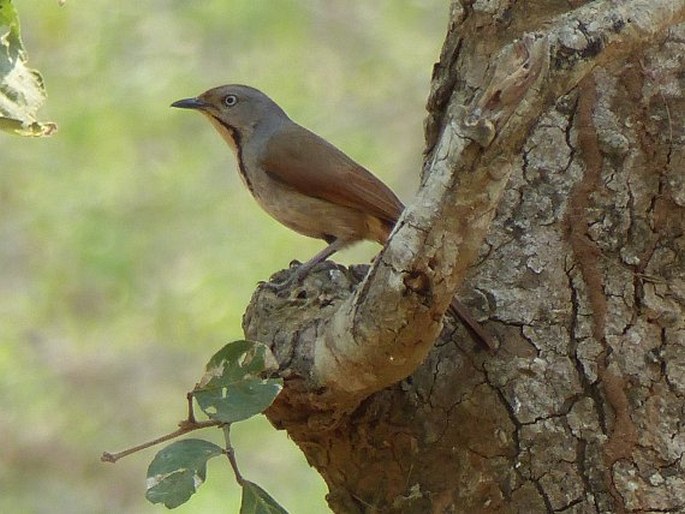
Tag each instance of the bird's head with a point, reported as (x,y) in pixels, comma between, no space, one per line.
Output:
(235,110)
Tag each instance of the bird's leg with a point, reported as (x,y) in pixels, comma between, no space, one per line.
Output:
(303,269)
(333,246)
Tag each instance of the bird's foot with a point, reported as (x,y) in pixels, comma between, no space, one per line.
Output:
(278,287)
(294,279)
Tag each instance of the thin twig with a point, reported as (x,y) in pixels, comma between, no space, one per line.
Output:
(185,426)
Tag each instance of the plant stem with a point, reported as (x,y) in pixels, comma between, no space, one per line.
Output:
(185,426)
(230,453)
(191,413)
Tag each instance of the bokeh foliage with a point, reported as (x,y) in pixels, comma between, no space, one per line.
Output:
(128,246)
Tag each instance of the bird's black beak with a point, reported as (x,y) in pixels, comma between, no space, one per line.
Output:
(190,103)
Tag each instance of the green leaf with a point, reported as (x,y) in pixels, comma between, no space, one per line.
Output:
(257,501)
(21,88)
(178,470)
(233,387)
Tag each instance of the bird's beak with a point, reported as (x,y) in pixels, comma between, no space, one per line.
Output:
(190,103)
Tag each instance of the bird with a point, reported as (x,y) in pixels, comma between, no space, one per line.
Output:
(303,181)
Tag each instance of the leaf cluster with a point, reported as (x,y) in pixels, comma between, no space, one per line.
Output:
(238,383)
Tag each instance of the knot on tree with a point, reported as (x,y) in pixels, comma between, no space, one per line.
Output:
(418,283)
(289,320)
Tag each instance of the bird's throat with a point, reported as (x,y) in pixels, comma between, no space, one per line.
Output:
(232,137)
(228,133)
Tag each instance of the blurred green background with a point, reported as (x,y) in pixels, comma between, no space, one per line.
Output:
(128,246)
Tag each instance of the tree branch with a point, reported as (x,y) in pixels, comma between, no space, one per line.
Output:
(383,332)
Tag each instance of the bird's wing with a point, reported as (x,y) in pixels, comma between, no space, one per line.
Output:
(309,164)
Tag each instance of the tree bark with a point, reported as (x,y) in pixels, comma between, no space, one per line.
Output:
(553,197)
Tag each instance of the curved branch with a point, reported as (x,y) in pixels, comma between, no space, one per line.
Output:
(382,332)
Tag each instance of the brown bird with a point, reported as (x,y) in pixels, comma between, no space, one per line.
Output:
(302,180)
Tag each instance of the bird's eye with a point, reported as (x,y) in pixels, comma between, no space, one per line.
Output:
(230,100)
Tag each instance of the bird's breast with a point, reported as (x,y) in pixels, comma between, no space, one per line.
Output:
(310,216)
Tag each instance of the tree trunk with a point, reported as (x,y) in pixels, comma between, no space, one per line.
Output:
(571,121)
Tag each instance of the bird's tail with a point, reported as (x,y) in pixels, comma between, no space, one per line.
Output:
(459,311)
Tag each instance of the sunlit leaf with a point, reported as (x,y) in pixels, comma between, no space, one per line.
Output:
(21,88)
(178,470)
(233,387)
(257,501)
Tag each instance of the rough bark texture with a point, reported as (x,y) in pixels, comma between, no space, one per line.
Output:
(581,277)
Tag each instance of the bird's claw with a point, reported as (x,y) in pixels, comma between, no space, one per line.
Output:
(279,287)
